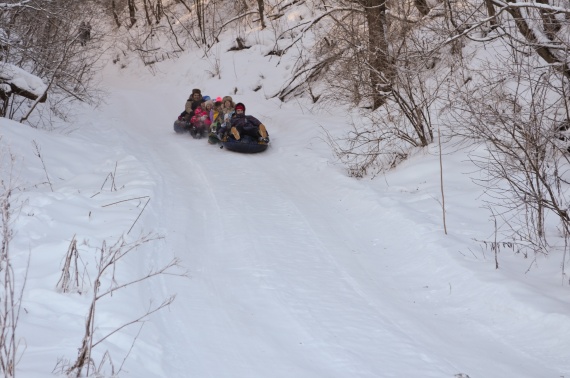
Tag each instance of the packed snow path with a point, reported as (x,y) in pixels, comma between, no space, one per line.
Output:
(296,270)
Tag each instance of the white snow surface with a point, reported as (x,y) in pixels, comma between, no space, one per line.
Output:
(294,269)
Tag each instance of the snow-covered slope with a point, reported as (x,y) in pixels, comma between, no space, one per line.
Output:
(294,269)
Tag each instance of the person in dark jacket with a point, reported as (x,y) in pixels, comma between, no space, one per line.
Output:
(242,125)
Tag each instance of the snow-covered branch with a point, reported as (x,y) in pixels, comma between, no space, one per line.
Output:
(22,3)
(22,82)
(314,21)
(544,7)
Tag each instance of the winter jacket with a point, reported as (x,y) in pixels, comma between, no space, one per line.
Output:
(226,122)
(191,105)
(246,125)
(200,117)
(229,109)
(216,118)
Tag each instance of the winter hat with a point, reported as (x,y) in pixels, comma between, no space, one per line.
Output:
(209,102)
(228,98)
(196,90)
(206,98)
(218,99)
(241,106)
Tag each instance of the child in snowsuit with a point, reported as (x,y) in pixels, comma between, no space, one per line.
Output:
(200,122)
(227,112)
(216,116)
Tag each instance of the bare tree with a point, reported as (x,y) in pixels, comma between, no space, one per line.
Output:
(539,24)
(343,42)
(524,16)
(261,8)
(378,57)
(528,26)
(201,20)
(132,12)
(421,61)
(551,26)
(48,40)
(526,163)
(491,12)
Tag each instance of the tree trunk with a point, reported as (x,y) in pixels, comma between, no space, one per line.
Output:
(159,11)
(5,97)
(147,15)
(132,12)
(378,58)
(260,6)
(201,24)
(550,24)
(491,12)
(115,15)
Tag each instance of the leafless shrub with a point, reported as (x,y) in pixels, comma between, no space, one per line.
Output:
(39,155)
(515,110)
(215,70)
(165,28)
(69,280)
(12,284)
(107,260)
(110,178)
(365,150)
(386,135)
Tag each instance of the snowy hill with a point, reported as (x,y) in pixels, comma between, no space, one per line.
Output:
(293,268)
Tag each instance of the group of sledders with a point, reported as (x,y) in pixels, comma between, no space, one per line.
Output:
(223,122)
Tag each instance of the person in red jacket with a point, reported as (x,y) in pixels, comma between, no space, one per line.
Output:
(200,122)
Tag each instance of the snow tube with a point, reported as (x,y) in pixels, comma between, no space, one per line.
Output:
(181,126)
(246,145)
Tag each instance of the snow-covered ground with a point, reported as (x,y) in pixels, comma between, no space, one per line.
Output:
(293,268)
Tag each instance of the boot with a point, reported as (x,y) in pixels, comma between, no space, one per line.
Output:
(263,131)
(264,138)
(235,133)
